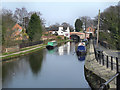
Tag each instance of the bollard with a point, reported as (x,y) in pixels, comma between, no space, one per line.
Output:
(107,62)
(111,63)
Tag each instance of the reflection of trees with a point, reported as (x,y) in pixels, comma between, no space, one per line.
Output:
(8,70)
(35,61)
(6,67)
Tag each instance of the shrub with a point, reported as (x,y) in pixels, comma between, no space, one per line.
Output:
(65,38)
(58,37)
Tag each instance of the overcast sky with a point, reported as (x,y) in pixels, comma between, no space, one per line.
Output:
(58,12)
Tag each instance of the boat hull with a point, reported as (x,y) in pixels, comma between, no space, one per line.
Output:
(79,53)
(81,57)
(49,47)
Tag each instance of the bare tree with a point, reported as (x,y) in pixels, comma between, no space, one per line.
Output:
(20,14)
(65,25)
(87,21)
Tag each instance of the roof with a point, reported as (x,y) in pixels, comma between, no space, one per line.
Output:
(76,33)
(16,26)
(55,28)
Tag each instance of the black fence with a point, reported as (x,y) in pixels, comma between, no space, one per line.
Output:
(110,62)
(106,45)
(22,45)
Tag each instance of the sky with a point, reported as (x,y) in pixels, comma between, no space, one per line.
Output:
(61,11)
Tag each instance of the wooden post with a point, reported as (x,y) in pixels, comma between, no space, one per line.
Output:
(98,27)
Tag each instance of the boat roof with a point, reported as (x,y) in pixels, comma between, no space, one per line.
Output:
(81,44)
(53,41)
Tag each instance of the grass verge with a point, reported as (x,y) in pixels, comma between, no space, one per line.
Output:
(27,52)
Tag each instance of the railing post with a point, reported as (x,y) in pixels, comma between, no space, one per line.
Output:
(107,62)
(102,59)
(111,63)
(95,53)
(117,67)
(100,56)
(118,77)
(97,56)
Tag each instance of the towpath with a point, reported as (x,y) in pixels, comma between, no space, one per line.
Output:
(92,65)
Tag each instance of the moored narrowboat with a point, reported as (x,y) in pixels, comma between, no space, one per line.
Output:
(81,49)
(51,45)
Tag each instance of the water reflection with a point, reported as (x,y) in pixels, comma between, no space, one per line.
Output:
(81,58)
(46,69)
(12,68)
(52,51)
(64,49)
(35,61)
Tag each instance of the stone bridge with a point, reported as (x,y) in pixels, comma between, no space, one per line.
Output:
(78,35)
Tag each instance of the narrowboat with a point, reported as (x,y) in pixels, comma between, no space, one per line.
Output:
(81,57)
(51,45)
(81,49)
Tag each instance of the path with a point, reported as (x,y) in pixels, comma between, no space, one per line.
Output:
(92,65)
(22,51)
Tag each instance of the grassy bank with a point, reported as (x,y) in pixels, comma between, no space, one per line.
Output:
(27,50)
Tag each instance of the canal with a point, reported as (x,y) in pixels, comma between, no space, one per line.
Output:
(57,68)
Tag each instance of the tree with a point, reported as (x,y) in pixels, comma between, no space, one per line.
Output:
(64,24)
(34,28)
(110,20)
(7,24)
(87,21)
(20,14)
(78,25)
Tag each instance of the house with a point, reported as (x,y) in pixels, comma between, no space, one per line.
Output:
(18,33)
(61,31)
(90,30)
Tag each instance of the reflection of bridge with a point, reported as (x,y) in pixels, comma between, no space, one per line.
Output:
(78,35)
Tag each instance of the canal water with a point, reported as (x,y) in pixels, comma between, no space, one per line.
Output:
(57,68)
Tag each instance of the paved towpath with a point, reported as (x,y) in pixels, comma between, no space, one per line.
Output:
(110,52)
(92,65)
(22,51)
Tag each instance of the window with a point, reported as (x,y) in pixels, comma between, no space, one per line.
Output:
(20,30)
(89,29)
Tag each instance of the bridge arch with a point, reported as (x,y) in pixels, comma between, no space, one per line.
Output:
(75,37)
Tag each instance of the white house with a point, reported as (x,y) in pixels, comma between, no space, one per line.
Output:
(64,32)
(61,31)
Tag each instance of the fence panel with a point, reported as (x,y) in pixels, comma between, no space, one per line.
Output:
(22,45)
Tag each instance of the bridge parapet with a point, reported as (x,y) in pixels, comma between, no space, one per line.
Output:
(81,35)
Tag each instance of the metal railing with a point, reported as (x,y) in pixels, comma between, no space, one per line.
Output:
(110,62)
(104,86)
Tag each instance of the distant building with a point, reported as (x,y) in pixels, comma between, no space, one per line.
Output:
(65,32)
(90,30)
(61,31)
(18,34)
